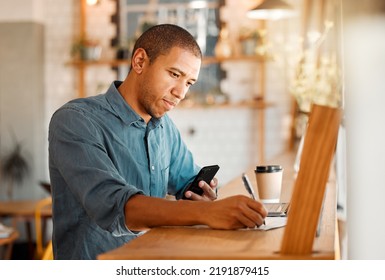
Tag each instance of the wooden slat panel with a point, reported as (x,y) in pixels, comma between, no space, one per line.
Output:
(310,185)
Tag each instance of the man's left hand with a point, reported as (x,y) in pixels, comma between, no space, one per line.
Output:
(209,191)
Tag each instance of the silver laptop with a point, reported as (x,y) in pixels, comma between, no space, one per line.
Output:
(275,209)
(278,209)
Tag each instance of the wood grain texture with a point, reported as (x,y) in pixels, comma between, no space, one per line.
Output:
(309,189)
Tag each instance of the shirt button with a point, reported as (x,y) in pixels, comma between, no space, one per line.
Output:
(152,167)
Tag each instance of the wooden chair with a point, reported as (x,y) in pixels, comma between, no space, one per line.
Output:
(310,185)
(43,251)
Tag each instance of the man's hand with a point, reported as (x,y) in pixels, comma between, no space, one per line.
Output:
(143,212)
(209,191)
(235,212)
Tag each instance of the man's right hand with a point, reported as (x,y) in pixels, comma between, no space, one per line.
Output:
(143,212)
(235,212)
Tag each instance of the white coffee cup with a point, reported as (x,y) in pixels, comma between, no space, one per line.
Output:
(269,182)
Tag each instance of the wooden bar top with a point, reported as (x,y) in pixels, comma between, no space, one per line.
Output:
(22,208)
(201,242)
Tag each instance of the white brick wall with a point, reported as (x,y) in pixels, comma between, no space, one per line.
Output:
(223,136)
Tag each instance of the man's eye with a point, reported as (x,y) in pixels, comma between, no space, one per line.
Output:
(176,75)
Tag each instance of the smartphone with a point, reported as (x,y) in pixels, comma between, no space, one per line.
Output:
(206,174)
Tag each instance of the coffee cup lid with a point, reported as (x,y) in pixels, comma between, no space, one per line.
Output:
(268,168)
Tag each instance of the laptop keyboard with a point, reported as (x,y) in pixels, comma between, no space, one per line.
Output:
(275,209)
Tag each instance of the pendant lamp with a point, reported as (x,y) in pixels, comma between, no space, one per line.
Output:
(272,10)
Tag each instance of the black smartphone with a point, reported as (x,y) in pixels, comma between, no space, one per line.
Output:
(206,174)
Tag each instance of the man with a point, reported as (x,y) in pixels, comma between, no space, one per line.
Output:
(114,157)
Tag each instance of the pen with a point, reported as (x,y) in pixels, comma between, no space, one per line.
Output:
(249,188)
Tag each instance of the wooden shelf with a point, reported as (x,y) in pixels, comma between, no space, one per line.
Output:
(260,60)
(81,65)
(251,58)
(125,62)
(257,105)
(100,62)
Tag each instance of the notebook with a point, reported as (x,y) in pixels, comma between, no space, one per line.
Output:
(275,209)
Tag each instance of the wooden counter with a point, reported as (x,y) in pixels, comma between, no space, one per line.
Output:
(199,242)
(22,209)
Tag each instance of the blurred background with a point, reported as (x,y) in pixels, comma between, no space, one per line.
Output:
(260,74)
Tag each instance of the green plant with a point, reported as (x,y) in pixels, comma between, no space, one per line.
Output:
(14,169)
(249,34)
(80,46)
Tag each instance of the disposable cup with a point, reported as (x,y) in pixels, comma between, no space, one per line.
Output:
(269,182)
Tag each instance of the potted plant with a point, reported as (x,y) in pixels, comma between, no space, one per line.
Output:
(14,169)
(86,49)
(249,39)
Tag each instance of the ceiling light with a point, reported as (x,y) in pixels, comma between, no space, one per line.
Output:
(272,10)
(92,2)
(197,4)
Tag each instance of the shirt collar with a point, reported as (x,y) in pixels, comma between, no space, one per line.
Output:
(125,112)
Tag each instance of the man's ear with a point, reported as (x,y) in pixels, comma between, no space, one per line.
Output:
(138,60)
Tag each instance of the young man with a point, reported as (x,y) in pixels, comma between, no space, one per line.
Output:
(114,157)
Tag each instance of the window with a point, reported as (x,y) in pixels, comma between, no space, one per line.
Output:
(200,18)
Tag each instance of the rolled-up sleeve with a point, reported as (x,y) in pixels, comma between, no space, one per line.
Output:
(79,156)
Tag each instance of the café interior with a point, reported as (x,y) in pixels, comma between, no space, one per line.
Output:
(267,65)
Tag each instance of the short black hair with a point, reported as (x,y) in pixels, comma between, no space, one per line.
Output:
(160,39)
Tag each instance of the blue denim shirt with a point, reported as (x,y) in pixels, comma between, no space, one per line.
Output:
(100,154)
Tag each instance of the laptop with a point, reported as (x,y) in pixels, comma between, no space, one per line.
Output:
(275,209)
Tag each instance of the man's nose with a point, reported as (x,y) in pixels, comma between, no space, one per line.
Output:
(180,91)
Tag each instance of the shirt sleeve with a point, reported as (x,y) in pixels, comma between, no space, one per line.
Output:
(77,152)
